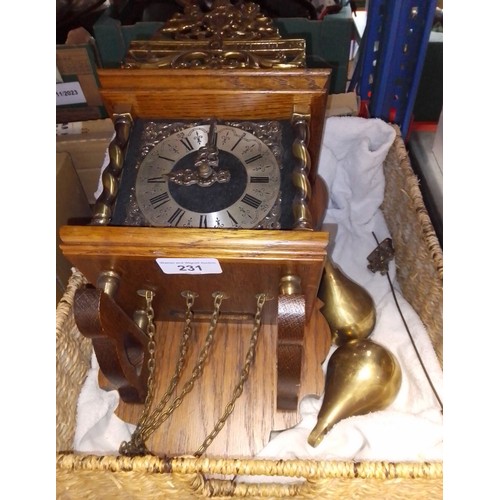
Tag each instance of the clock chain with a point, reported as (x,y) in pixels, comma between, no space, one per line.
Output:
(148,423)
(245,371)
(151,420)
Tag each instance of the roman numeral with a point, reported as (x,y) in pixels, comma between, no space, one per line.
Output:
(176,217)
(187,144)
(166,158)
(253,158)
(160,199)
(232,218)
(157,180)
(238,141)
(203,221)
(259,180)
(251,201)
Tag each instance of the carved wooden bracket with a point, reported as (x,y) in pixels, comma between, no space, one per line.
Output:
(120,345)
(289,350)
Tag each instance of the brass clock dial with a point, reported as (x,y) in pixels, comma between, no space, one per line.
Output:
(207,174)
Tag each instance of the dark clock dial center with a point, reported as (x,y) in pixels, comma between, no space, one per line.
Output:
(216,197)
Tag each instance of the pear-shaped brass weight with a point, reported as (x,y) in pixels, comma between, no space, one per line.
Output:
(362,376)
(348,308)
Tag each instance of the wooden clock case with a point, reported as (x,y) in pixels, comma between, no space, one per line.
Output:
(252,261)
(177,94)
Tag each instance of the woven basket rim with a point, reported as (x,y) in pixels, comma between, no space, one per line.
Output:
(298,468)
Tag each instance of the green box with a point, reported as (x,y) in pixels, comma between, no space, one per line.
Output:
(327,41)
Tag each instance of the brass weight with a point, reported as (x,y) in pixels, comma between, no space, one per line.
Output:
(348,307)
(362,376)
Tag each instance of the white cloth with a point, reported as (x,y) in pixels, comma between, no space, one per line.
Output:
(411,428)
(105,163)
(98,430)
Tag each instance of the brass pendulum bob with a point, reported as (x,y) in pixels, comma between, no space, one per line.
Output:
(362,376)
(348,307)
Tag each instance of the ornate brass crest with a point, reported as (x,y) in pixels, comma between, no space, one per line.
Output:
(228,36)
(224,21)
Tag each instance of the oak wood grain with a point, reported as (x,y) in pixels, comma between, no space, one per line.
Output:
(252,262)
(248,428)
(279,80)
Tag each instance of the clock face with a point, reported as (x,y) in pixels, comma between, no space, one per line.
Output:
(208,176)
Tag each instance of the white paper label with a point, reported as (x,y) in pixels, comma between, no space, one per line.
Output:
(69,93)
(189,266)
(69,128)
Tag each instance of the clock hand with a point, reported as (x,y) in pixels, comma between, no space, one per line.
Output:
(207,160)
(208,155)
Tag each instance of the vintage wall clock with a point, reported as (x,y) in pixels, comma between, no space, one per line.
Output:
(211,186)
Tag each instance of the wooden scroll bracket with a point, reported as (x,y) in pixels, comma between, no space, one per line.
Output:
(290,344)
(119,343)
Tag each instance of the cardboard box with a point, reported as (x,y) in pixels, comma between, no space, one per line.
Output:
(346,104)
(71,207)
(77,86)
(87,144)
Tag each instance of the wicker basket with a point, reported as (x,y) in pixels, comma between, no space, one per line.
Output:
(419,271)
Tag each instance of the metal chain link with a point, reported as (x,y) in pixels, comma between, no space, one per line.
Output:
(150,421)
(155,418)
(136,444)
(197,370)
(237,391)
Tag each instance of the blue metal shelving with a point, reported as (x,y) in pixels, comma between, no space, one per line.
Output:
(391,57)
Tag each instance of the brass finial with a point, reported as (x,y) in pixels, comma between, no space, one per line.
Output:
(224,21)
